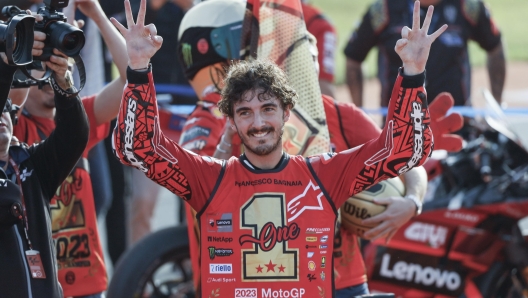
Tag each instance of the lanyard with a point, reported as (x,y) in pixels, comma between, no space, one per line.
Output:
(24,213)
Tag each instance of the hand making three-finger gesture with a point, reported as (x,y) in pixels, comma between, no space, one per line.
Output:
(414,46)
(142,41)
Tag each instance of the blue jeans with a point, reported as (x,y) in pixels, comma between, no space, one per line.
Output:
(350,292)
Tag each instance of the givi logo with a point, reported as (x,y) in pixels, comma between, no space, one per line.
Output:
(431,234)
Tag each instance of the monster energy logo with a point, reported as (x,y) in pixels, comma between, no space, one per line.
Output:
(187,55)
(219,252)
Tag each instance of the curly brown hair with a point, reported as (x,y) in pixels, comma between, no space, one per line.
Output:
(264,76)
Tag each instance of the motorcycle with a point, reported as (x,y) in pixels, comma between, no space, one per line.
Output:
(467,241)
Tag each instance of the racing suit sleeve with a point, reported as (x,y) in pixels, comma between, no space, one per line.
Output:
(139,142)
(405,142)
(55,157)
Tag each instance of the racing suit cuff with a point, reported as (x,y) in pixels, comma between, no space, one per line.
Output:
(412,81)
(138,76)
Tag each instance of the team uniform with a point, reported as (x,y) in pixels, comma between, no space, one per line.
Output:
(349,127)
(448,67)
(73,221)
(325,33)
(269,232)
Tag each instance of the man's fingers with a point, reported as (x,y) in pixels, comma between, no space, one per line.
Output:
(437,33)
(158,40)
(141,13)
(35,52)
(38,45)
(118,25)
(389,236)
(405,32)
(128,14)
(151,29)
(80,24)
(400,44)
(60,54)
(40,36)
(416,16)
(427,20)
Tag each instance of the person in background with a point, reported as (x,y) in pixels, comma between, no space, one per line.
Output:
(28,261)
(80,257)
(448,69)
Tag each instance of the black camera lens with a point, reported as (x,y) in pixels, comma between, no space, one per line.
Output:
(70,41)
(66,38)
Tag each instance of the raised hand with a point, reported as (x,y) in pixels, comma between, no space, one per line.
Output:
(414,46)
(142,41)
(89,8)
(59,64)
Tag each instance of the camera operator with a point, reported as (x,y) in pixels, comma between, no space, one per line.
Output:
(28,265)
(81,268)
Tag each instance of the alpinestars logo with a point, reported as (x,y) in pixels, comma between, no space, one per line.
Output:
(417,118)
(129,135)
(310,199)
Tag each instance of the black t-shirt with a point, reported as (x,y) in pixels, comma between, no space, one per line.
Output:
(448,65)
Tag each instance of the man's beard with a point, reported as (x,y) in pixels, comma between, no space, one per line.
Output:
(262,150)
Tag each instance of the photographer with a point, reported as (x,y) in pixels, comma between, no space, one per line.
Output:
(81,268)
(28,265)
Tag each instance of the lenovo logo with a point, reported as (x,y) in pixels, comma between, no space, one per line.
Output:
(420,275)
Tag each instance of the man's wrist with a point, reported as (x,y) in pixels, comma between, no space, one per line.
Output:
(417,203)
(139,66)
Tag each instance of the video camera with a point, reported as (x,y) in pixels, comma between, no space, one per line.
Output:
(17,35)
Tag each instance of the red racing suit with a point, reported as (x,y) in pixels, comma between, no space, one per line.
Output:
(79,250)
(270,233)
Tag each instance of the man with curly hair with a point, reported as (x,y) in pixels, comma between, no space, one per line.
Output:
(268,203)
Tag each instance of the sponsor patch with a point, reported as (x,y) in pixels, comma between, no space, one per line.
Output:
(219,252)
(220,222)
(311,266)
(219,239)
(317,230)
(220,268)
(246,293)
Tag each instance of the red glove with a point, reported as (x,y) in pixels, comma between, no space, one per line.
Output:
(443,126)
